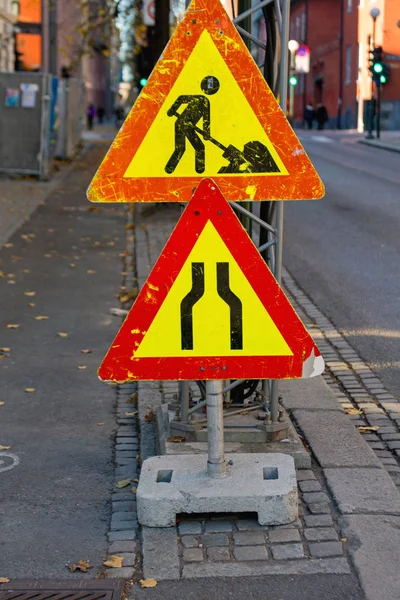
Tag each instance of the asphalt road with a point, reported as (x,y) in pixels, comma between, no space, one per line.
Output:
(344,250)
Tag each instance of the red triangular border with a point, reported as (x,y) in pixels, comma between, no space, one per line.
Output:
(303,182)
(208,204)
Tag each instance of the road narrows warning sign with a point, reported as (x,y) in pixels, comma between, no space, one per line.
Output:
(211,309)
(206,111)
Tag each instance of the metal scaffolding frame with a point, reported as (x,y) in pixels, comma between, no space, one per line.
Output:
(215,391)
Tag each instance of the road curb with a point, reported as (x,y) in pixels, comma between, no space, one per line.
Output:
(380,145)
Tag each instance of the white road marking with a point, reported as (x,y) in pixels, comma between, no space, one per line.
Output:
(11,457)
(322,138)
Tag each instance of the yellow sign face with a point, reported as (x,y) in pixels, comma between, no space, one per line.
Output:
(205,126)
(222,289)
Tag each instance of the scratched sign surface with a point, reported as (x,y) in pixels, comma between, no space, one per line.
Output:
(206,111)
(211,309)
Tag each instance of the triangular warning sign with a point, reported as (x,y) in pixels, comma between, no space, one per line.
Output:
(206,111)
(211,309)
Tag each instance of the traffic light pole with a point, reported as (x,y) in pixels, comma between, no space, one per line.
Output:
(378,109)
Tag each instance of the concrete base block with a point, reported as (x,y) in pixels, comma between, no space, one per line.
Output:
(261,483)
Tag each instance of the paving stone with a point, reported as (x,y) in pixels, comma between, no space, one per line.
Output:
(320,534)
(377,445)
(251,538)
(123,525)
(218,554)
(287,551)
(392,469)
(313,497)
(218,526)
(123,447)
(121,516)
(321,433)
(394,445)
(122,573)
(388,461)
(284,535)
(248,525)
(325,549)
(192,555)
(190,527)
(188,541)
(215,539)
(319,508)
(127,534)
(363,490)
(250,553)
(310,486)
(124,506)
(387,429)
(122,546)
(305,475)
(318,520)
(383,453)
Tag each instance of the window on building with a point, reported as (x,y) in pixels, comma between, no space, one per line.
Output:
(349,6)
(303,27)
(348,65)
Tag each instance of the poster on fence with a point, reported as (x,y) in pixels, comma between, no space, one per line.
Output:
(12,98)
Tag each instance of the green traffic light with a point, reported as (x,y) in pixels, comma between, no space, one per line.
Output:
(378,68)
(143,82)
(383,79)
(293,80)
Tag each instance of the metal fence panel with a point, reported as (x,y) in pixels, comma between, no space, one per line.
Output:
(22,127)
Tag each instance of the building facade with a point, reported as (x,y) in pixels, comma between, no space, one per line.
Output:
(337,33)
(8,20)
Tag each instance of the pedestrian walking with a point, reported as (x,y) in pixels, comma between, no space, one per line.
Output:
(321,115)
(90,113)
(100,114)
(309,115)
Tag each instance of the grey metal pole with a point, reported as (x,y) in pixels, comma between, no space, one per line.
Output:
(184,400)
(216,466)
(279,206)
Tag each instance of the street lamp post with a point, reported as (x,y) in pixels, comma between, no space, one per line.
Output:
(293,46)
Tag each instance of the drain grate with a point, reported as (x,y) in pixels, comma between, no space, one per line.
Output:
(61,590)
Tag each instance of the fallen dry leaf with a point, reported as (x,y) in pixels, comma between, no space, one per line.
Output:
(149,418)
(343,539)
(131,414)
(13,326)
(2,274)
(123,483)
(25,271)
(176,439)
(82,367)
(90,272)
(82,565)
(244,412)
(86,351)
(30,293)
(353,411)
(41,318)
(130,226)
(72,265)
(8,245)
(5,349)
(134,490)
(11,282)
(364,429)
(5,447)
(133,399)
(30,390)
(4,580)
(62,334)
(127,295)
(148,583)
(32,304)
(114,561)
(100,424)
(2,403)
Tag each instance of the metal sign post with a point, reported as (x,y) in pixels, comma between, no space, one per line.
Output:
(216,465)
